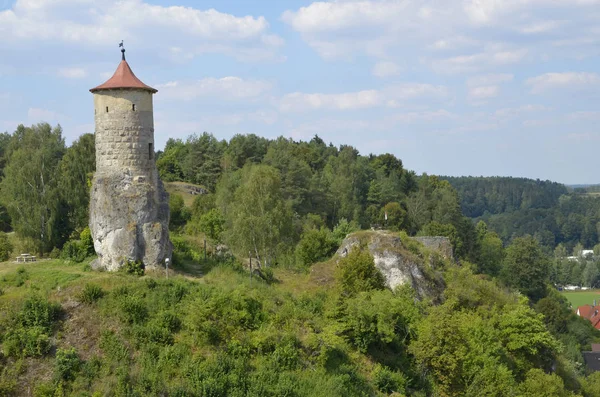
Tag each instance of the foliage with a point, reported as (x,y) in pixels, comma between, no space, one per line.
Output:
(314,246)
(258,220)
(357,273)
(67,364)
(6,247)
(526,267)
(91,293)
(29,189)
(179,213)
(135,268)
(212,225)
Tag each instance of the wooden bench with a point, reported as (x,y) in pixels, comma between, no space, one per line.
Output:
(26,258)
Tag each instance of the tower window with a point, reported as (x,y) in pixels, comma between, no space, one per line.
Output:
(107,109)
(150,151)
(133,107)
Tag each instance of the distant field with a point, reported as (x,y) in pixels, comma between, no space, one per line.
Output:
(579,298)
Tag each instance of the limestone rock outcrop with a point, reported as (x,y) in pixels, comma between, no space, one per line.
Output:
(401,263)
(129,221)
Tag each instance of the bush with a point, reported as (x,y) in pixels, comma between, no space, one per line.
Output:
(315,246)
(87,242)
(134,267)
(6,247)
(388,381)
(67,364)
(74,250)
(27,342)
(357,272)
(133,309)
(55,253)
(39,312)
(91,293)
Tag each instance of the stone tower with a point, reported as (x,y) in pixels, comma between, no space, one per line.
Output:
(129,207)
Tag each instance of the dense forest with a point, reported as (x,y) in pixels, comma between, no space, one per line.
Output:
(310,323)
(515,207)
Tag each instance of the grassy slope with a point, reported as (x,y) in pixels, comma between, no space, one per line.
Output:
(286,303)
(181,189)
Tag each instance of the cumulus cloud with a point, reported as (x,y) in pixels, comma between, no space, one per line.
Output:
(226,88)
(466,28)
(105,22)
(565,80)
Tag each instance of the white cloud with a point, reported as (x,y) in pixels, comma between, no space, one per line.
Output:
(226,88)
(566,80)
(72,73)
(105,22)
(384,29)
(385,69)
(392,97)
(297,101)
(491,58)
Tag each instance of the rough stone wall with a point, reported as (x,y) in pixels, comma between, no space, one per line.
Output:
(124,136)
(129,207)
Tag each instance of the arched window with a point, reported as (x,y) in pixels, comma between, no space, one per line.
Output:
(133,107)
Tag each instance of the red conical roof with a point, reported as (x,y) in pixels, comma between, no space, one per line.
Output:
(123,78)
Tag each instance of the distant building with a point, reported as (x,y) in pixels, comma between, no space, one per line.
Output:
(592,359)
(591,313)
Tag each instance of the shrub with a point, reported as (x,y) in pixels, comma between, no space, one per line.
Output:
(39,312)
(87,242)
(134,267)
(91,293)
(67,364)
(344,228)
(113,347)
(212,224)
(6,247)
(169,321)
(315,246)
(388,381)
(55,253)
(27,342)
(357,272)
(74,250)
(133,310)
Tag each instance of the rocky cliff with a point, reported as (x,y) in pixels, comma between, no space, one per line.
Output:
(129,220)
(404,260)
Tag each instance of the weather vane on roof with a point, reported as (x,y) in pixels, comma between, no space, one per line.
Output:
(122,49)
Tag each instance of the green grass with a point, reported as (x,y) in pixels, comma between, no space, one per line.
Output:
(580,298)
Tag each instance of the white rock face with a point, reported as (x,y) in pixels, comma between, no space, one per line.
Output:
(129,221)
(396,263)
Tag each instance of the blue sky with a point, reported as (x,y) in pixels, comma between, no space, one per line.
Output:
(453,87)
